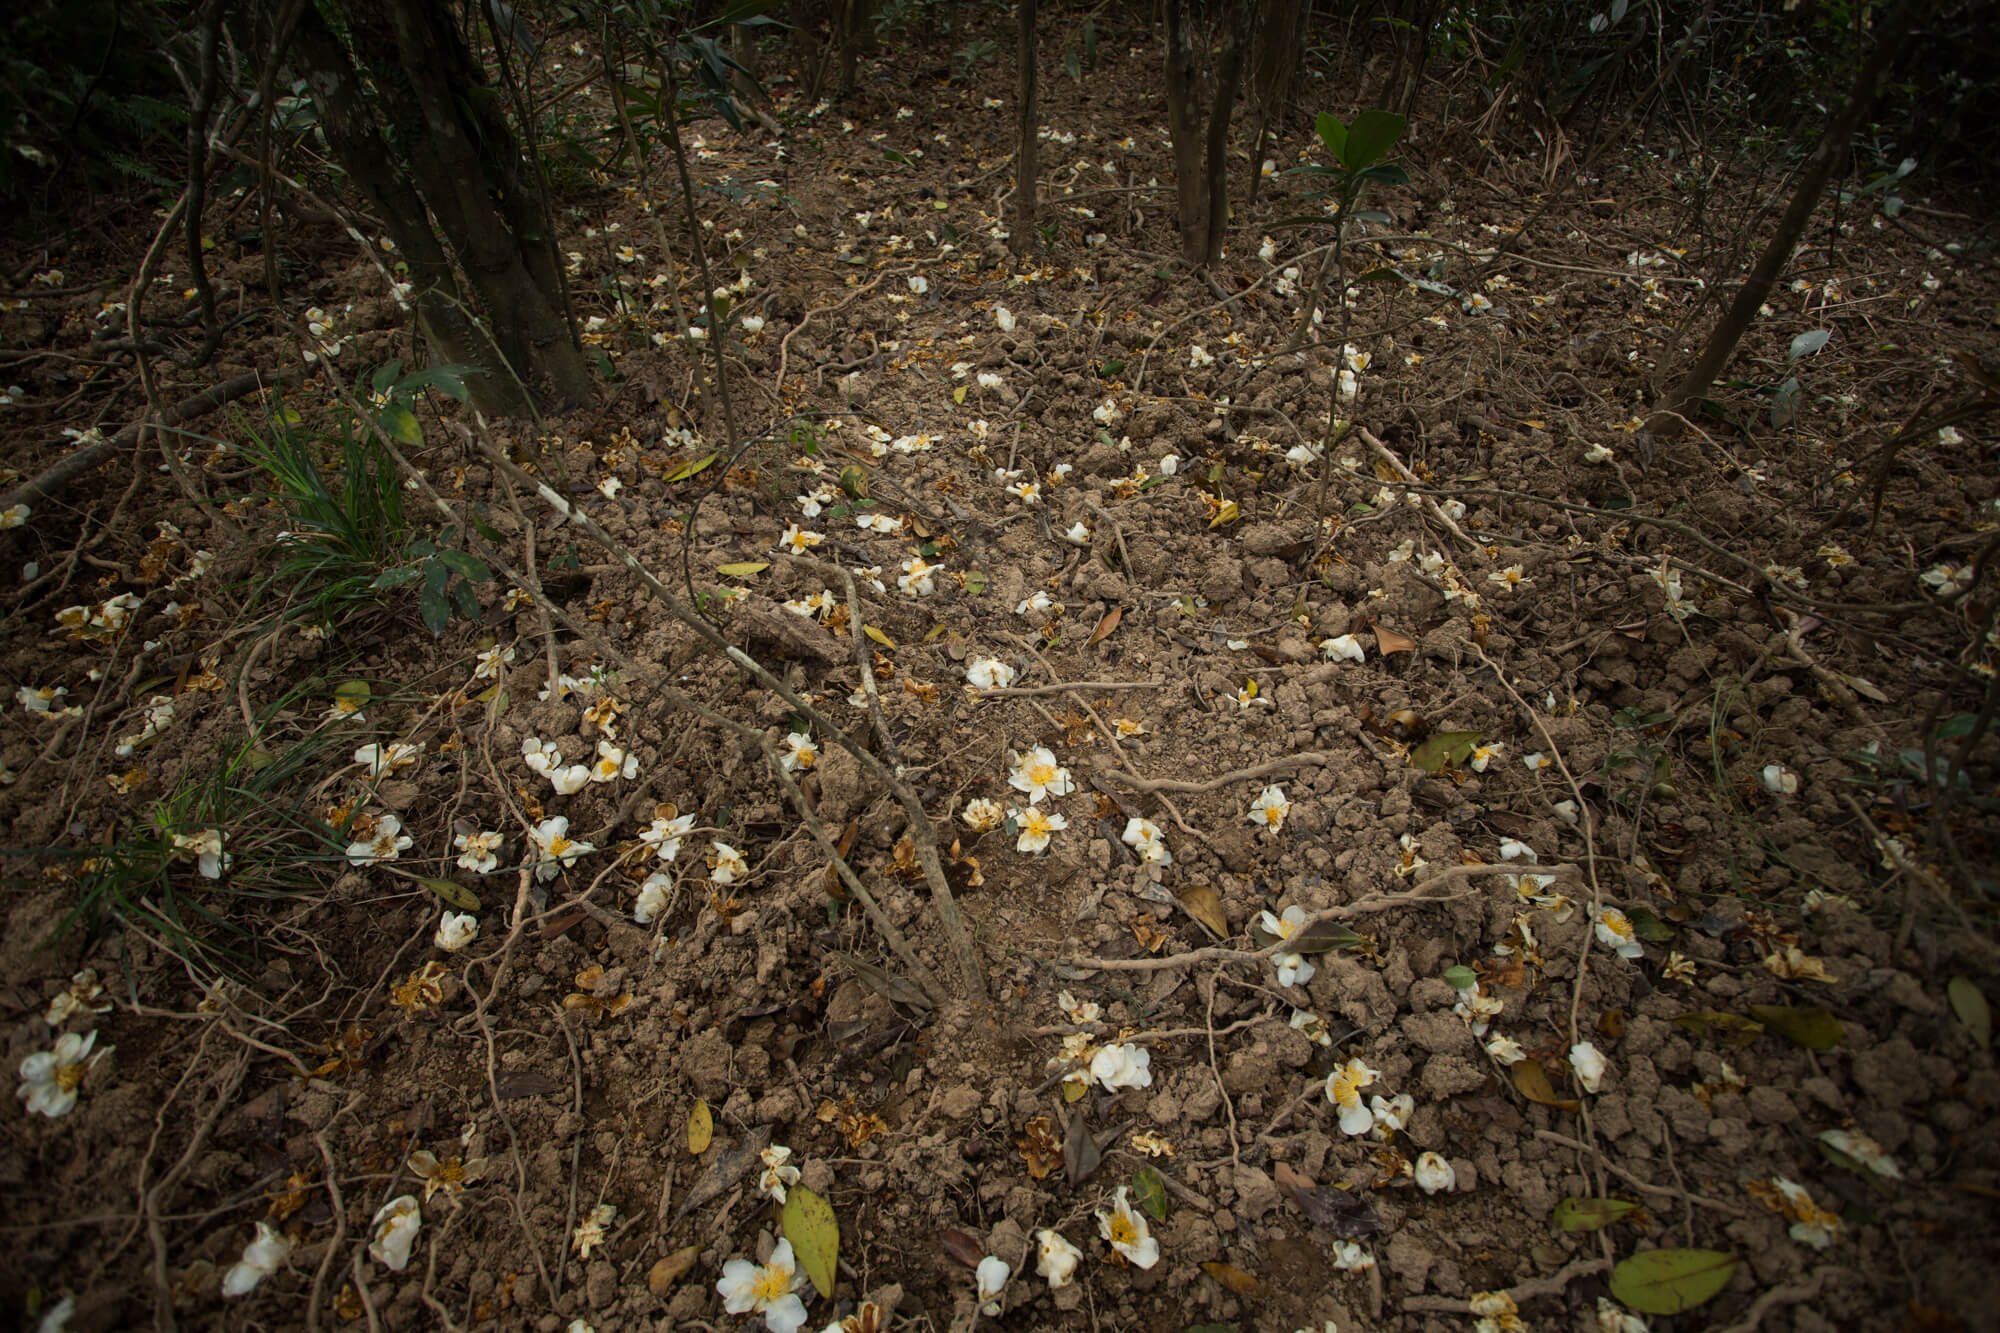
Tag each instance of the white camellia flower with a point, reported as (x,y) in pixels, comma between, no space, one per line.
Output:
(456,930)
(1127,1231)
(991,1279)
(727,864)
(262,1257)
(983,815)
(1349,1257)
(1055,1258)
(50,1079)
(652,902)
(1343,1089)
(1391,1113)
(1506,1050)
(1170,465)
(387,760)
(571,780)
(1078,535)
(1035,828)
(542,756)
(479,852)
(1004,318)
(1293,968)
(665,833)
(800,753)
(1270,808)
(779,1173)
(383,840)
(1122,1065)
(210,859)
(394,1232)
(1343,648)
(1614,931)
(989,673)
(1780,781)
(1588,1062)
(1038,774)
(918,578)
(765,1289)
(613,762)
(1433,1173)
(558,849)
(1144,837)
(594,1229)
(1862,1149)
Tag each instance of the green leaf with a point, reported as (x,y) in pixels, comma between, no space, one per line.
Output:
(1670,1281)
(975,582)
(467,566)
(1574,1214)
(1460,977)
(686,470)
(356,690)
(1445,747)
(465,599)
(1969,1003)
(743,569)
(1389,173)
(397,577)
(433,602)
(1151,1192)
(1369,138)
(1333,133)
(815,1236)
(1809,1026)
(401,425)
(454,893)
(1648,926)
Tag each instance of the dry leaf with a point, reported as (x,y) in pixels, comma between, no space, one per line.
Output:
(1153,940)
(962,1247)
(1388,641)
(1532,1082)
(667,1273)
(1204,904)
(1233,1278)
(701,1128)
(1106,625)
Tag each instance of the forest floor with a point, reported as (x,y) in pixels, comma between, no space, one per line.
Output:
(1718,705)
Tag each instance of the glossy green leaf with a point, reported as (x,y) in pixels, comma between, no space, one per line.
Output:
(1370,136)
(434,602)
(1151,1193)
(401,425)
(1460,977)
(1648,926)
(1322,936)
(1732,1028)
(1670,1281)
(1333,133)
(810,1226)
(1575,1214)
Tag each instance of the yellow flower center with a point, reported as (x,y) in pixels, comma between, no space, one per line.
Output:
(1041,774)
(771,1283)
(559,845)
(1123,1231)
(69,1076)
(1273,814)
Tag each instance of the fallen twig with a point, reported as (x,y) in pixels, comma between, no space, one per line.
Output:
(1552,1285)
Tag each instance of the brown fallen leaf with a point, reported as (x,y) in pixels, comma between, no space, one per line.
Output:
(1388,641)
(962,1247)
(1204,904)
(1233,1278)
(1106,625)
(1038,1145)
(1344,1215)
(666,1273)
(1532,1082)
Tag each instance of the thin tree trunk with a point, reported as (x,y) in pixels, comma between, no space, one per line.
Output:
(1027,159)
(1183,124)
(1833,146)
(1228,75)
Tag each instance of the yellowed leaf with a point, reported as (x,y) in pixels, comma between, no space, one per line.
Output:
(701,1128)
(1106,625)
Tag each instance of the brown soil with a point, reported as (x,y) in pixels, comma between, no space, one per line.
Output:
(296,1090)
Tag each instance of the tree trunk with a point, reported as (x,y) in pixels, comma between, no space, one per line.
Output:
(1833,146)
(1274,61)
(1027,159)
(357,143)
(1183,124)
(1228,76)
